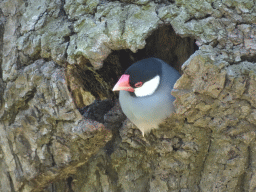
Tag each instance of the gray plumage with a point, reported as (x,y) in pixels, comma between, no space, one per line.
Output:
(147,112)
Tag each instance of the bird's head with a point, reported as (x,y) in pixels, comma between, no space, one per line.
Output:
(142,78)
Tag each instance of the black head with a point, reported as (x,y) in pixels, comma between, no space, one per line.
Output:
(144,70)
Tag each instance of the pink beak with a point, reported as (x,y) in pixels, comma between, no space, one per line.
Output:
(123,84)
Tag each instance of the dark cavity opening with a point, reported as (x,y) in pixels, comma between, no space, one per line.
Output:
(163,43)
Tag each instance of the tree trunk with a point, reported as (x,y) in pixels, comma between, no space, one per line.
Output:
(61,126)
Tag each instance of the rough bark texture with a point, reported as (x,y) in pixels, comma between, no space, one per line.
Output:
(60,56)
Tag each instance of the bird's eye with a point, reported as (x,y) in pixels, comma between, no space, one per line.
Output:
(139,84)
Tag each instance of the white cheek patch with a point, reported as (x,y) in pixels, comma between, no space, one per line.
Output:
(148,88)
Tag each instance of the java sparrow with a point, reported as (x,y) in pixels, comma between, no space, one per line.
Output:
(145,92)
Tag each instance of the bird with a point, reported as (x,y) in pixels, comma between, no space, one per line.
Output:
(145,93)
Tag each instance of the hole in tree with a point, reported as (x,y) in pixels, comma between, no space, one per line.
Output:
(249,58)
(163,43)
(66,38)
(69,183)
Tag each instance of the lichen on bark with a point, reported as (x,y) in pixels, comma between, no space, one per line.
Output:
(58,56)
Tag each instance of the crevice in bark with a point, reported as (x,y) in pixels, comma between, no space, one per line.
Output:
(97,110)
(1,43)
(249,58)
(11,182)
(49,146)
(194,18)
(241,182)
(203,163)
(18,168)
(69,183)
(62,10)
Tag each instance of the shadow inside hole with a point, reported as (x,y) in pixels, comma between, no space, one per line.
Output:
(163,43)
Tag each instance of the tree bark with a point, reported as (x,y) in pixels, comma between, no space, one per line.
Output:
(61,126)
